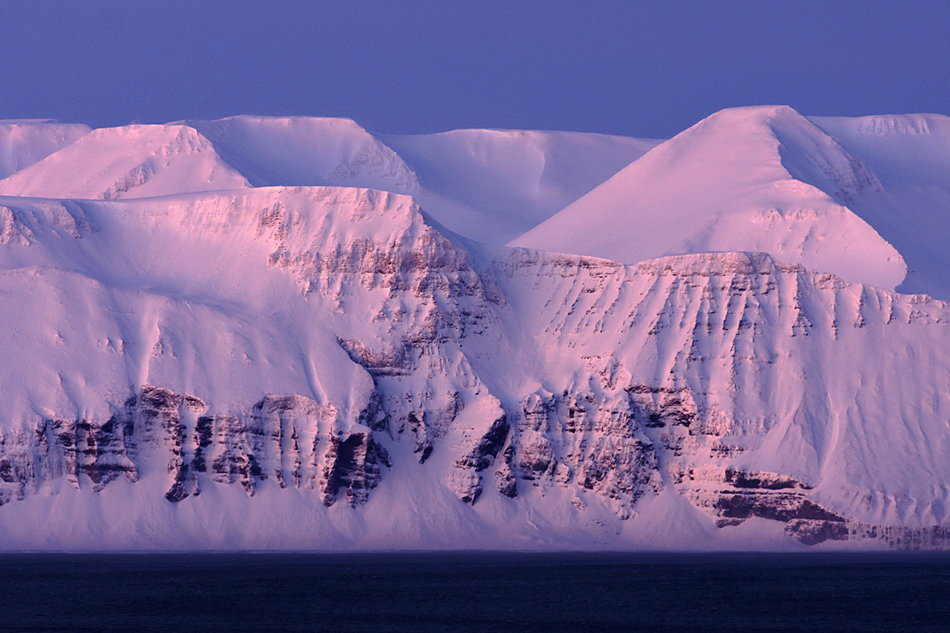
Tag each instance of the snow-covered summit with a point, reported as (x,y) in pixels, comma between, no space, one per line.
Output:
(134,161)
(761,178)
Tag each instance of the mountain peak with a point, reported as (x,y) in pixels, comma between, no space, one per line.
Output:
(129,161)
(754,179)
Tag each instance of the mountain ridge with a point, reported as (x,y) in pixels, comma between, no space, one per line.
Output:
(331,367)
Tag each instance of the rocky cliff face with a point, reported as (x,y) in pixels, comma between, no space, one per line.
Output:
(288,438)
(746,385)
(344,347)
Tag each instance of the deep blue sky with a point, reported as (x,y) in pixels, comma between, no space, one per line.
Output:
(647,69)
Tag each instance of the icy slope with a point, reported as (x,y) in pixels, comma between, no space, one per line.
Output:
(23,143)
(746,179)
(328,367)
(135,161)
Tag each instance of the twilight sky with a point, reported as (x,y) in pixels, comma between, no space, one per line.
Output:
(647,69)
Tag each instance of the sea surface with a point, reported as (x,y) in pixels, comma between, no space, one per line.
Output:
(484,592)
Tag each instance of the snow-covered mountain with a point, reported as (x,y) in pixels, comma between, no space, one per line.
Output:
(489,185)
(266,340)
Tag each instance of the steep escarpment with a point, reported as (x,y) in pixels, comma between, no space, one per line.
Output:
(580,441)
(376,300)
(229,368)
(757,385)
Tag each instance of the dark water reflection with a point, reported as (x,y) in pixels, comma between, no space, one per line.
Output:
(474,592)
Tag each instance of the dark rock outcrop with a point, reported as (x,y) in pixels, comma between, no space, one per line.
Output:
(352,465)
(466,478)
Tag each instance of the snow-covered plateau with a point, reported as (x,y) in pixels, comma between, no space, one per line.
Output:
(290,333)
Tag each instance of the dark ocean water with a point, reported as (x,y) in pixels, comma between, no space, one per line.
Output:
(481,592)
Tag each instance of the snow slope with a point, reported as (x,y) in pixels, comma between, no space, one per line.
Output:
(758,179)
(307,151)
(24,142)
(493,185)
(910,155)
(135,161)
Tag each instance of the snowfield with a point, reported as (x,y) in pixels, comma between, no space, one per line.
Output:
(290,333)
